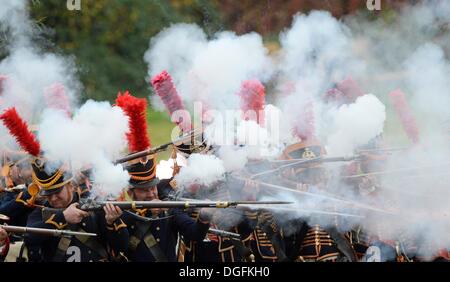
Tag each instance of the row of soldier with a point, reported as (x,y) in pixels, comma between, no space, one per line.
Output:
(168,235)
(37,196)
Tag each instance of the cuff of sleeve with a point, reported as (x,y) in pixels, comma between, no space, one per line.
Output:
(25,199)
(57,220)
(117,225)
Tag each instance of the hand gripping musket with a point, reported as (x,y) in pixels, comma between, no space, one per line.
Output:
(151,151)
(44,231)
(92,205)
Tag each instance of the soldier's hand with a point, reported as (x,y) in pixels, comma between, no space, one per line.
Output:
(3,236)
(111,213)
(367,184)
(157,210)
(73,214)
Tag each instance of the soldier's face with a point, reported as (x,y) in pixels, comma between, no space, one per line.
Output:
(61,199)
(145,194)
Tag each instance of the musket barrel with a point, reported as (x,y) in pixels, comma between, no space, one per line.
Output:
(263,203)
(159,204)
(44,231)
(156,149)
(98,205)
(224,233)
(92,206)
(141,154)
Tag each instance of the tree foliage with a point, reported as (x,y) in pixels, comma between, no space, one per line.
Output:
(109,37)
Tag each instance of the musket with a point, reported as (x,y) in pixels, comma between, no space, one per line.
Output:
(314,211)
(44,231)
(382,149)
(223,233)
(16,189)
(316,195)
(305,162)
(319,160)
(400,170)
(157,149)
(92,205)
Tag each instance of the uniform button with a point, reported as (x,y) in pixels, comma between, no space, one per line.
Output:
(157,240)
(132,226)
(91,260)
(157,228)
(89,252)
(84,224)
(317,232)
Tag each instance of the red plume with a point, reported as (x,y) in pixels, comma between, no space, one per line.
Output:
(19,129)
(56,98)
(135,109)
(252,95)
(401,106)
(304,125)
(345,92)
(167,92)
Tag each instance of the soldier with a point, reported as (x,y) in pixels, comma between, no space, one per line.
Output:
(258,228)
(16,176)
(260,231)
(155,239)
(18,204)
(57,187)
(367,247)
(212,247)
(153,232)
(308,240)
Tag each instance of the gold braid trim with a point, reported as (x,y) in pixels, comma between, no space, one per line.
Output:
(117,227)
(27,203)
(58,185)
(19,200)
(140,212)
(52,180)
(134,175)
(56,224)
(142,177)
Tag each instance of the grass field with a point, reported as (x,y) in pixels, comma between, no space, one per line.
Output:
(159,129)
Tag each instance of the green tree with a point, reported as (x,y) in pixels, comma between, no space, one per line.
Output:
(109,37)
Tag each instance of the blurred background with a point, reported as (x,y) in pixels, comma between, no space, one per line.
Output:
(108,38)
